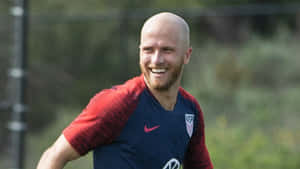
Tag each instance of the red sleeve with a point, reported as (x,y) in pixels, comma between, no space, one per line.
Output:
(103,118)
(197,156)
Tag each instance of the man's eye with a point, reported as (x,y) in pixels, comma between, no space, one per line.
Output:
(167,49)
(147,50)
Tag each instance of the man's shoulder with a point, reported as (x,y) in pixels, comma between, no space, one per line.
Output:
(187,95)
(123,93)
(190,98)
(132,86)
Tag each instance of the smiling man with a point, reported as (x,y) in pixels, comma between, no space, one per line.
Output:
(164,50)
(149,122)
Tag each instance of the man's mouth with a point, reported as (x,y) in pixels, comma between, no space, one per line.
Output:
(155,70)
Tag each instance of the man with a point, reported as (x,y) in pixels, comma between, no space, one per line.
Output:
(149,122)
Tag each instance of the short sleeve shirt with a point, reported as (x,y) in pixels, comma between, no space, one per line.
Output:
(127,128)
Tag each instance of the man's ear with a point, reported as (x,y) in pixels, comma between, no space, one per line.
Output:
(187,55)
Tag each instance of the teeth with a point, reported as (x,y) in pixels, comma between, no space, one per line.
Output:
(158,70)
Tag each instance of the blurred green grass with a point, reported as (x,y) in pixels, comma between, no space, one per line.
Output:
(240,147)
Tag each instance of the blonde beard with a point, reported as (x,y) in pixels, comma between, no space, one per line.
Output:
(175,77)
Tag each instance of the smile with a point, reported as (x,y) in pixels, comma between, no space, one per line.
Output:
(158,70)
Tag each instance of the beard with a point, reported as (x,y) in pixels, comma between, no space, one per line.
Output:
(165,84)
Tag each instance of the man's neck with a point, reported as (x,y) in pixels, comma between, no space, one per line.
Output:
(167,98)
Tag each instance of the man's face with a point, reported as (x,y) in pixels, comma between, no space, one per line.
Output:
(162,56)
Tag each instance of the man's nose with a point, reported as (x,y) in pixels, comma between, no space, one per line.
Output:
(157,58)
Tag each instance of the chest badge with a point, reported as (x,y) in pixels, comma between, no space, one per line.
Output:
(189,121)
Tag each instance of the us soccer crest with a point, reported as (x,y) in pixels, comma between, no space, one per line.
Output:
(189,121)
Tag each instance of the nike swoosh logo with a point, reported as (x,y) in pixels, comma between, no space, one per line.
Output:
(147,130)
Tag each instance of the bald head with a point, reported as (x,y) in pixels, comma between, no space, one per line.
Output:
(167,22)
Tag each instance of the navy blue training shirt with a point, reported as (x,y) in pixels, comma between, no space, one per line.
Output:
(127,128)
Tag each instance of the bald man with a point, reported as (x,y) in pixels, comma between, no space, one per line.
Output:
(149,122)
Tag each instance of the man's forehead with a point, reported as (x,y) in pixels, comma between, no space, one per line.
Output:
(157,43)
(159,37)
(161,29)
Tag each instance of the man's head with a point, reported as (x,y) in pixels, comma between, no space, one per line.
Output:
(164,49)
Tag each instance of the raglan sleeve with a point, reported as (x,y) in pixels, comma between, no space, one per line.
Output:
(100,122)
(197,155)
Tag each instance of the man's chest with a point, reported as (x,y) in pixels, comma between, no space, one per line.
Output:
(157,134)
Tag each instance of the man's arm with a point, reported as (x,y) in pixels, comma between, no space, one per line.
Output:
(58,155)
